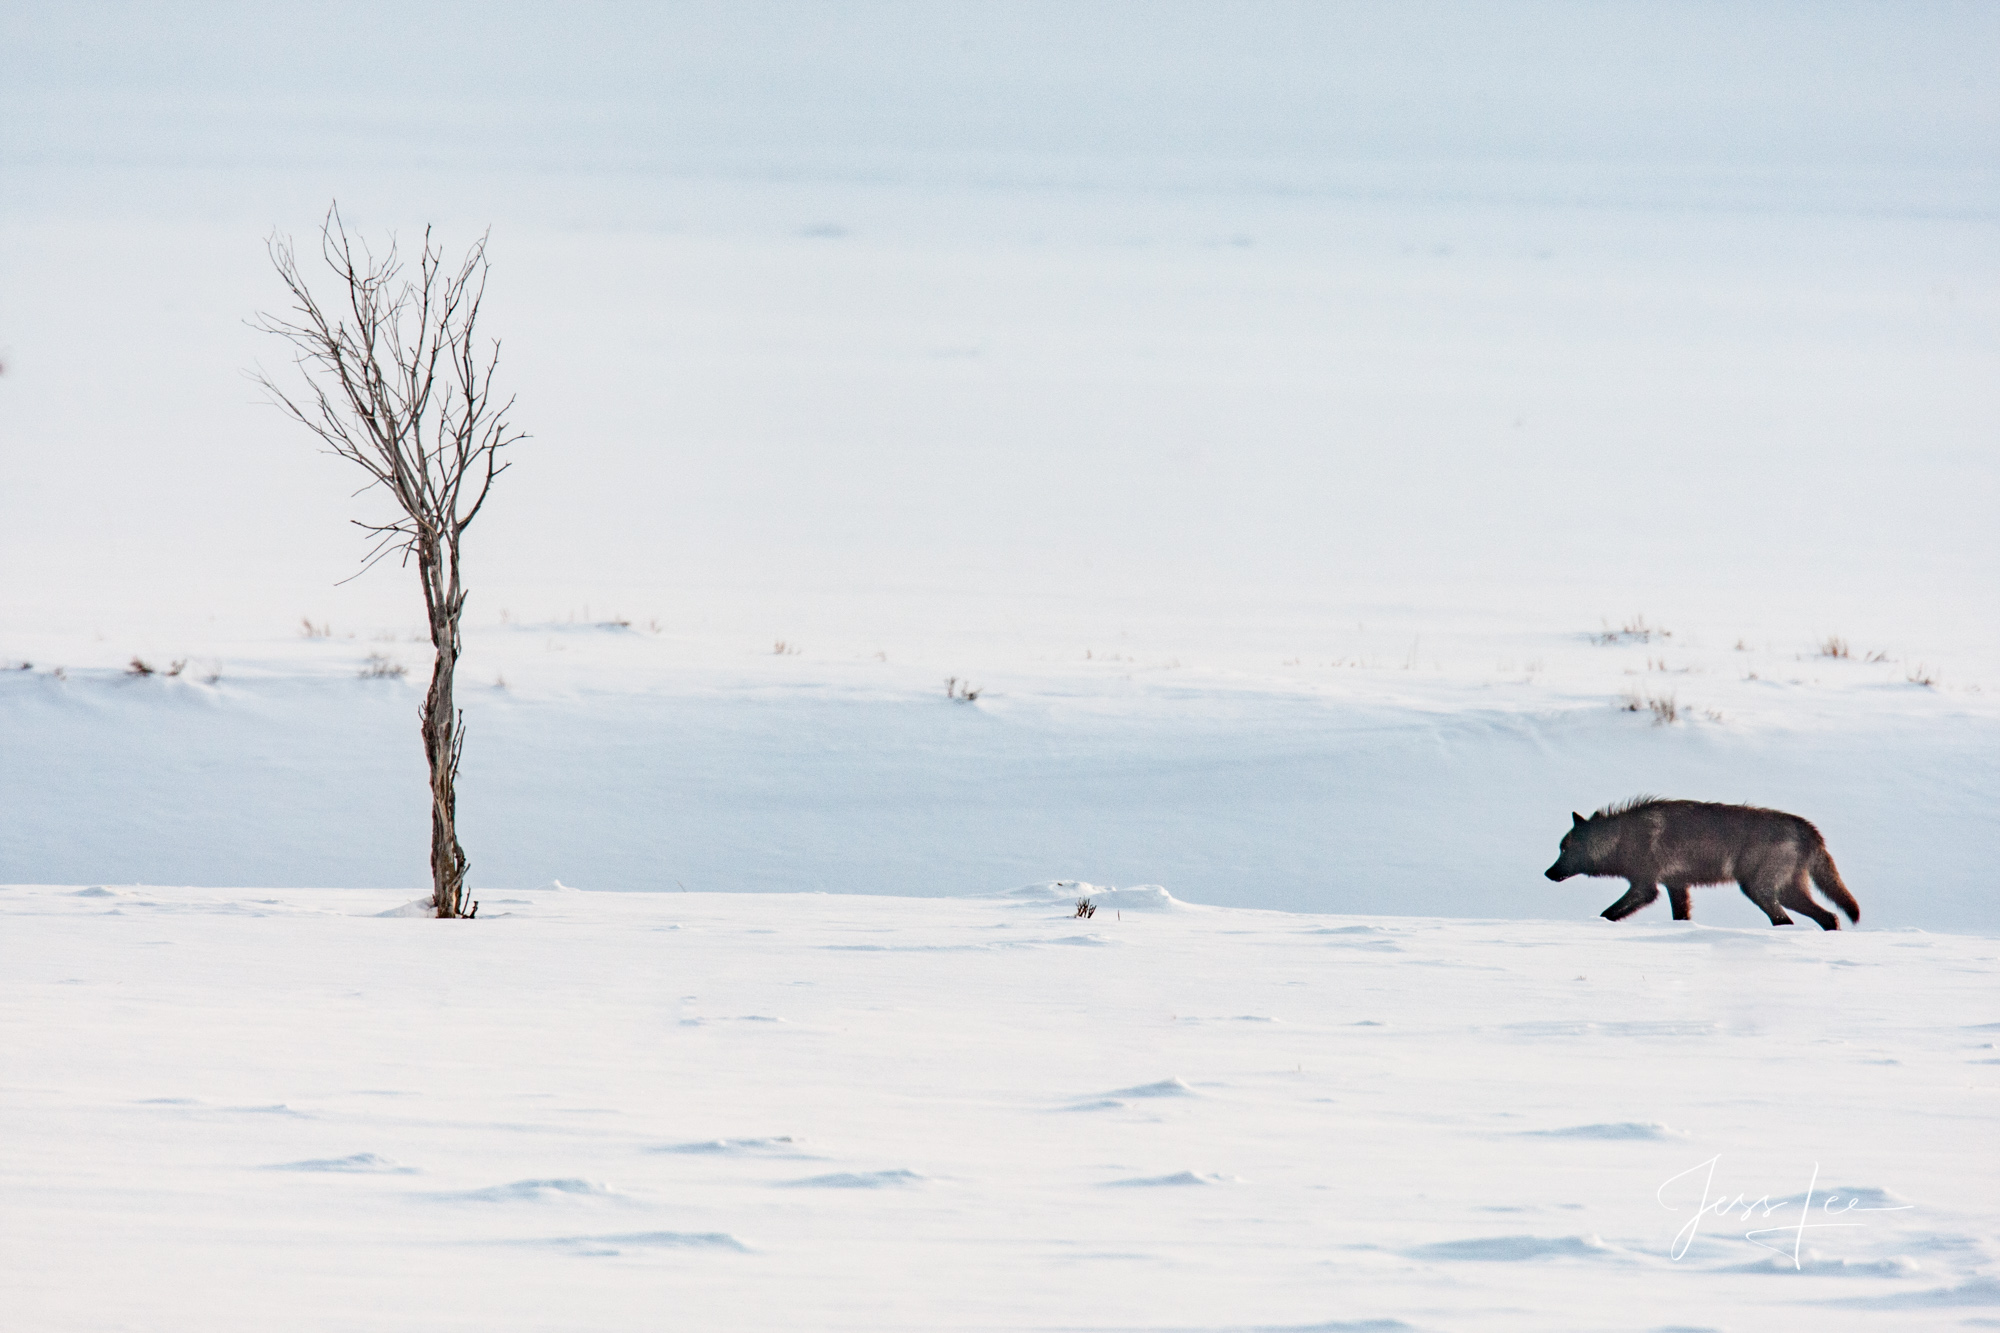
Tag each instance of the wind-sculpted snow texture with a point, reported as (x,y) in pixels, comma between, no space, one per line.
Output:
(283,1109)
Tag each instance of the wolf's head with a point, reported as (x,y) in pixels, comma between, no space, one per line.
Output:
(1574,856)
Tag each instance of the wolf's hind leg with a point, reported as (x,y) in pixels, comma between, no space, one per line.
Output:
(1635,898)
(1677,898)
(1797,897)
(1759,890)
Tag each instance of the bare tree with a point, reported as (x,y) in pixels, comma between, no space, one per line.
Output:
(394,380)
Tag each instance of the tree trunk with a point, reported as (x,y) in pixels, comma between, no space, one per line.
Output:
(444,728)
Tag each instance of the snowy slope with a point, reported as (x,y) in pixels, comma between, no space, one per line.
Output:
(275,1109)
(616,758)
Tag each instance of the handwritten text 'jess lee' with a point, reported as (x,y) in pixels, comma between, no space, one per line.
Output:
(1831,1205)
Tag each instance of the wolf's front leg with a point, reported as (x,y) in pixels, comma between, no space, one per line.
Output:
(1677,898)
(1635,898)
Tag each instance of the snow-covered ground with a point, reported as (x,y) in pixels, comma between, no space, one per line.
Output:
(275,1109)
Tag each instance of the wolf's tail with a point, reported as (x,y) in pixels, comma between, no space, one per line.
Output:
(1826,879)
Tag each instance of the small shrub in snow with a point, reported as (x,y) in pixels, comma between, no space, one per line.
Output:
(1664,708)
(1833,646)
(784,648)
(960,691)
(1085,908)
(307,629)
(1635,630)
(139,667)
(1922,675)
(379,667)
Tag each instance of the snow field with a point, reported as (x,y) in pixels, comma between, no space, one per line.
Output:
(282,1108)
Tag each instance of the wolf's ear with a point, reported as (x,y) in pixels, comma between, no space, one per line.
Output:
(1580,820)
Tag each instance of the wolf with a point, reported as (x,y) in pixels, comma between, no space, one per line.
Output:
(1648,841)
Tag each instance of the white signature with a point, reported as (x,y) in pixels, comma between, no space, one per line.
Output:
(1719,1205)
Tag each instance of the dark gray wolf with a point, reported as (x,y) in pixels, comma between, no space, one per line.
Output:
(1650,842)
